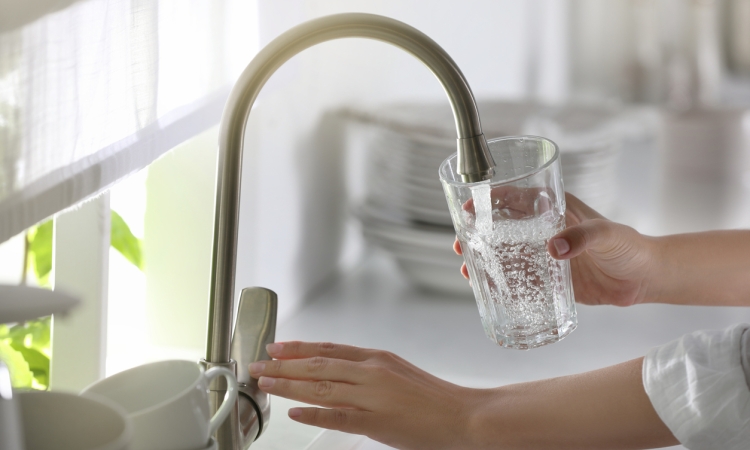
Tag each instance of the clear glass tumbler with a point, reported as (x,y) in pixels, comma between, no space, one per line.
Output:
(525,297)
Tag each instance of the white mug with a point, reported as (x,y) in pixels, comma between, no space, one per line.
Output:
(68,422)
(167,403)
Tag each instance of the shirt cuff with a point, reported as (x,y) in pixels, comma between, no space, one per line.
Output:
(697,387)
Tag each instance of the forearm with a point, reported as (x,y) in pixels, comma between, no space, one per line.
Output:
(603,409)
(710,268)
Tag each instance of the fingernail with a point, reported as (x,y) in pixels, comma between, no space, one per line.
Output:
(561,245)
(257,367)
(266,382)
(274,349)
(295,412)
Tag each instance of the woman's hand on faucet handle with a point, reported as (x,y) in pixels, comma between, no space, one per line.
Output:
(378,394)
(610,262)
(369,392)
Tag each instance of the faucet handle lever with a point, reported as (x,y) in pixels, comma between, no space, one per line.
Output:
(254,328)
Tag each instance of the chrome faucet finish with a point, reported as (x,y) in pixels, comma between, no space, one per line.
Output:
(474,160)
(254,328)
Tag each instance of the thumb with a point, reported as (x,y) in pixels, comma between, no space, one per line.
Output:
(571,242)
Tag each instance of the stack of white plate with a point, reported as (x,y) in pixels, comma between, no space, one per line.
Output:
(404,209)
(403,178)
(589,139)
(424,253)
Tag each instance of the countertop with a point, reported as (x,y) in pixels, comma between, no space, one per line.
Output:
(373,306)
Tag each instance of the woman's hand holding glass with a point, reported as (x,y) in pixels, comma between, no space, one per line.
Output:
(610,262)
(613,264)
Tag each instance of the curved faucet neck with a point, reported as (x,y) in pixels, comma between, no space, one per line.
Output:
(475,161)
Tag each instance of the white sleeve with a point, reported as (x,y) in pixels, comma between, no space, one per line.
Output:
(700,389)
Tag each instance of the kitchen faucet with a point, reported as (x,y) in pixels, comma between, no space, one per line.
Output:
(256,315)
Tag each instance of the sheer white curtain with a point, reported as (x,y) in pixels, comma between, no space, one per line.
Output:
(98,90)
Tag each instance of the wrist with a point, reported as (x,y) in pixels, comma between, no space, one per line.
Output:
(517,416)
(461,418)
(482,420)
(495,420)
(657,277)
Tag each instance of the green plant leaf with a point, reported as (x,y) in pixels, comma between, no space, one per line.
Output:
(20,374)
(32,341)
(34,334)
(38,364)
(40,251)
(125,242)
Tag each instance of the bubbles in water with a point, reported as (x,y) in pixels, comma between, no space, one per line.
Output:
(520,285)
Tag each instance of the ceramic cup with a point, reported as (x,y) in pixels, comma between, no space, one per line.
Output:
(167,402)
(61,421)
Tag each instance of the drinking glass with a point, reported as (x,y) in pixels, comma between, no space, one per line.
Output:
(525,297)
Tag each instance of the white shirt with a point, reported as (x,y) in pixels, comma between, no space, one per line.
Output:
(699,385)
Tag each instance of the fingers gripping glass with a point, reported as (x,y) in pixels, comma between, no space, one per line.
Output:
(525,297)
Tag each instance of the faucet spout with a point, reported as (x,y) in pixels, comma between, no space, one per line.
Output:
(474,159)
